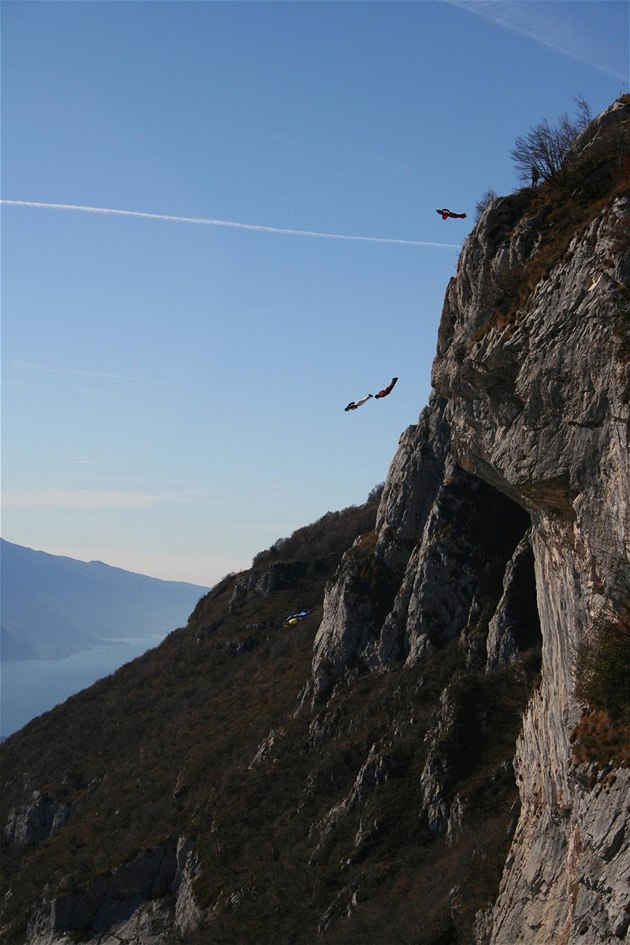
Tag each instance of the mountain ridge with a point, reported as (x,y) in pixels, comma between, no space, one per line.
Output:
(54,605)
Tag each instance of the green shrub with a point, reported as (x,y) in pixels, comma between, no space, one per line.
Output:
(602,735)
(603,669)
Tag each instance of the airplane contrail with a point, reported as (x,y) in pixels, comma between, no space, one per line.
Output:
(537,23)
(207,221)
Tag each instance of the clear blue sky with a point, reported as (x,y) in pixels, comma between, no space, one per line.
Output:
(174,393)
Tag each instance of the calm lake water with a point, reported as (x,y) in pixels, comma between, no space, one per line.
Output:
(30,687)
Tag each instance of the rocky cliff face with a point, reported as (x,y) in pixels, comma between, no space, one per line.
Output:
(538,408)
(411,769)
(524,455)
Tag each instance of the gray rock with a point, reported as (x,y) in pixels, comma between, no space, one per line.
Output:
(515,625)
(139,903)
(538,408)
(532,414)
(33,823)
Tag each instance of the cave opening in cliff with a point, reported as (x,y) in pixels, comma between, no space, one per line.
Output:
(505,533)
(492,567)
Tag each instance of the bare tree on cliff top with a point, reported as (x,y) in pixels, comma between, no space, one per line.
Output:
(545,149)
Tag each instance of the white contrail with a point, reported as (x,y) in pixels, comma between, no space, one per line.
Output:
(542,24)
(206,221)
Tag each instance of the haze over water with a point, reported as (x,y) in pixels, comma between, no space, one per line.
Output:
(31,687)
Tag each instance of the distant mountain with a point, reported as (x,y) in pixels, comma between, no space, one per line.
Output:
(53,606)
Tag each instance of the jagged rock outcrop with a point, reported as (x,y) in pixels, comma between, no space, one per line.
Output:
(511,629)
(279,576)
(140,901)
(414,477)
(453,535)
(30,825)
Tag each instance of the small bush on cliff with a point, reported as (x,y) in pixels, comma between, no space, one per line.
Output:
(604,669)
(603,682)
(484,201)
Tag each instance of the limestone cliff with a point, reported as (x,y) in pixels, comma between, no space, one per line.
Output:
(538,407)
(523,452)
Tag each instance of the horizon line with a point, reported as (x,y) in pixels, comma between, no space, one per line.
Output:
(209,221)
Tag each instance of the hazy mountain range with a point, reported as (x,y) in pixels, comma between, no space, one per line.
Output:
(53,606)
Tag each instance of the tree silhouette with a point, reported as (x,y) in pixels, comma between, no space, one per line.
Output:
(543,152)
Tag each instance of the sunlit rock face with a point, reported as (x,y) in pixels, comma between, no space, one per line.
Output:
(520,460)
(538,407)
(444,539)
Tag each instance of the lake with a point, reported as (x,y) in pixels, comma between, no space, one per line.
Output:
(30,687)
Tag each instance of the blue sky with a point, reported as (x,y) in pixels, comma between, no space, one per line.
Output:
(174,392)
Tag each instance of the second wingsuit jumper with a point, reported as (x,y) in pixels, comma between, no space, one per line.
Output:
(363,400)
(358,403)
